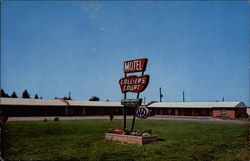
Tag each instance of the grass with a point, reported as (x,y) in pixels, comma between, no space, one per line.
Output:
(84,140)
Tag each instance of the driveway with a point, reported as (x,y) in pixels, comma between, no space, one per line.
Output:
(156,117)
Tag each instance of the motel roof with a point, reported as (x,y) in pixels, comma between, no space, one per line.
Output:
(94,103)
(60,102)
(55,102)
(198,105)
(30,102)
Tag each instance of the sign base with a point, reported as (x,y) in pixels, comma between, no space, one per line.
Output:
(131,139)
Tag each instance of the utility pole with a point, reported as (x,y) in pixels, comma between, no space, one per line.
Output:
(160,95)
(183,96)
(69,95)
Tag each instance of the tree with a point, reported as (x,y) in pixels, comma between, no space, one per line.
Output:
(41,97)
(26,94)
(13,95)
(36,96)
(94,98)
(2,93)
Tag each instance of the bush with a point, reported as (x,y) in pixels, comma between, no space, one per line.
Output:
(149,131)
(56,119)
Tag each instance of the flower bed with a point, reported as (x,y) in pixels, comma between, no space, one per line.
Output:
(131,137)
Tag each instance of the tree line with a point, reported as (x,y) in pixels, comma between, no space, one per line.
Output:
(25,94)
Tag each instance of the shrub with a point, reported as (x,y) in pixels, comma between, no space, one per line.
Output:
(149,131)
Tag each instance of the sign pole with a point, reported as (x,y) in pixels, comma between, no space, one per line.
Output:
(134,84)
(133,123)
(124,109)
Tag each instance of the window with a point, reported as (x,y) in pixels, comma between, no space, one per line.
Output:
(223,111)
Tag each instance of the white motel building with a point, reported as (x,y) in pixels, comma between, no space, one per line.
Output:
(59,107)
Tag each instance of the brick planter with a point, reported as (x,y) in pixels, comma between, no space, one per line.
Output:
(131,139)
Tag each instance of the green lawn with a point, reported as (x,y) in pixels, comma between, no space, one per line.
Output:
(84,140)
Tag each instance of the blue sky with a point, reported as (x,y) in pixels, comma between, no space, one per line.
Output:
(52,47)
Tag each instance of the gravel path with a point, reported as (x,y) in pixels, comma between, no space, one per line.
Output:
(156,117)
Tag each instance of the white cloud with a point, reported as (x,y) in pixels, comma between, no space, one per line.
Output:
(91,9)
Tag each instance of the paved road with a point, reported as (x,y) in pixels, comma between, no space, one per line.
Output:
(156,117)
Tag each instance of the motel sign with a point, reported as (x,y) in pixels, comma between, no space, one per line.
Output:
(138,65)
(134,84)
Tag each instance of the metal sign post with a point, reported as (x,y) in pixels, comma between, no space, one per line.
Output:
(124,109)
(133,123)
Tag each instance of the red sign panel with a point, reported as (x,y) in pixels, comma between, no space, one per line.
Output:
(134,83)
(137,65)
